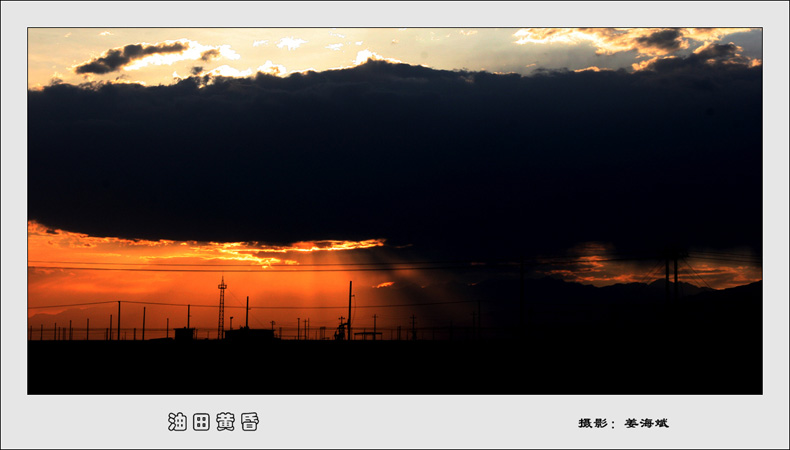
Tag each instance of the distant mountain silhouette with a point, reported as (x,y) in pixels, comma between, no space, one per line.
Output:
(686,289)
(550,301)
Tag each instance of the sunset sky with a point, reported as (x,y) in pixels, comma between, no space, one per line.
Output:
(396,158)
(286,283)
(165,55)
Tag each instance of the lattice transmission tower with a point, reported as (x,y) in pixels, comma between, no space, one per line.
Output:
(221,327)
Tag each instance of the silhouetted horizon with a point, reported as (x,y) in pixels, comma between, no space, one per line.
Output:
(714,336)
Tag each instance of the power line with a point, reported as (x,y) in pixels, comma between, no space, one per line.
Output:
(721,258)
(539,260)
(256,264)
(726,256)
(649,275)
(689,278)
(469,265)
(743,255)
(695,273)
(71,304)
(266,270)
(536,260)
(258,307)
(245,306)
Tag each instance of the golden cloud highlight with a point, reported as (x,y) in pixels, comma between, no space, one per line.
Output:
(44,243)
(364,55)
(592,69)
(608,41)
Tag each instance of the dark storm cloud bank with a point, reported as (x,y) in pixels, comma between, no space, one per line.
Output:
(460,162)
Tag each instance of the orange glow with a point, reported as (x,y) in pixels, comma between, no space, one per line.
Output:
(69,268)
(304,280)
(590,69)
(116,250)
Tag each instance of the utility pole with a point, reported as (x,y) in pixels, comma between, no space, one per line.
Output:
(221,325)
(70,330)
(188,306)
(143,337)
(298,329)
(413,329)
(119,320)
(88,329)
(110,333)
(247,314)
(55,332)
(520,297)
(676,277)
(667,278)
(479,320)
(349,311)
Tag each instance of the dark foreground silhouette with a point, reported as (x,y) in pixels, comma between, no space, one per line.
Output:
(711,346)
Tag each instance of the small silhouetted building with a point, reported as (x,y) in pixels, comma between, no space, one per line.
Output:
(376,334)
(249,334)
(185,334)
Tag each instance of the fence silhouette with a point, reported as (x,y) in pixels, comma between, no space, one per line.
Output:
(398,333)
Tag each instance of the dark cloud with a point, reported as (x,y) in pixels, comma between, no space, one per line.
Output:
(208,55)
(453,162)
(196,70)
(719,51)
(117,58)
(713,57)
(668,40)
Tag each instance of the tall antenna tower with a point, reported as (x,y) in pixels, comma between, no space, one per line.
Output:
(221,327)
